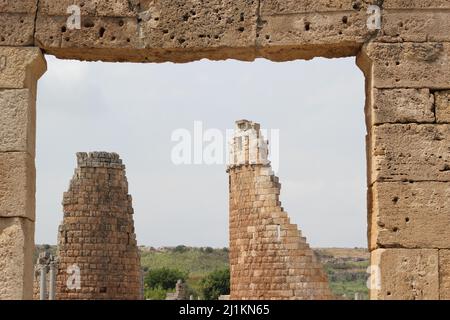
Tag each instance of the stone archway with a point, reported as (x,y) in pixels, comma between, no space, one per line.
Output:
(407,70)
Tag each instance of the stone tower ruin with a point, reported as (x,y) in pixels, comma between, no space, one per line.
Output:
(97,249)
(269,258)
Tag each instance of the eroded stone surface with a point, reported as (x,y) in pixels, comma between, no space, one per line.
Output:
(444,274)
(17,185)
(17,22)
(410,152)
(416,4)
(410,215)
(405,274)
(16,258)
(271,7)
(14,6)
(413,65)
(442,106)
(21,67)
(16,29)
(401,106)
(153,30)
(17,121)
(287,37)
(415,26)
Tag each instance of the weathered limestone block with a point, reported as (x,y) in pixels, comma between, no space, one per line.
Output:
(17,121)
(414,26)
(17,185)
(444,274)
(401,106)
(413,65)
(405,274)
(114,8)
(442,106)
(16,254)
(151,30)
(416,4)
(16,29)
(17,22)
(410,215)
(21,67)
(271,7)
(97,32)
(305,29)
(409,152)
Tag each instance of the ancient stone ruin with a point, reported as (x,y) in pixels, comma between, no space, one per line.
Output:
(45,271)
(403,48)
(96,240)
(269,258)
(180,292)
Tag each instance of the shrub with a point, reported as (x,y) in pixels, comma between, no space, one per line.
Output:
(164,278)
(155,294)
(215,284)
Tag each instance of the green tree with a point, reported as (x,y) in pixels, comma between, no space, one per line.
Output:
(180,249)
(164,278)
(215,284)
(209,250)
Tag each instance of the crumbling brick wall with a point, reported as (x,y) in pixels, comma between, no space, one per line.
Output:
(97,233)
(269,258)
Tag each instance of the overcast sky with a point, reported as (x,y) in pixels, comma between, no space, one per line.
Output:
(132,109)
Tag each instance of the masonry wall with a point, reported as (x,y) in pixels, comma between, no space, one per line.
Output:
(97,233)
(409,168)
(269,258)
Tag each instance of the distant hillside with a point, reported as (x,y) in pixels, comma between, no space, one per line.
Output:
(346,267)
(190,259)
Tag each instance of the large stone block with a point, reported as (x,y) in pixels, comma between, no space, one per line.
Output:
(409,152)
(273,7)
(17,22)
(415,26)
(410,215)
(114,8)
(17,185)
(16,258)
(444,274)
(14,6)
(413,65)
(290,30)
(416,4)
(151,30)
(16,29)
(442,106)
(405,274)
(17,121)
(402,106)
(293,36)
(21,67)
